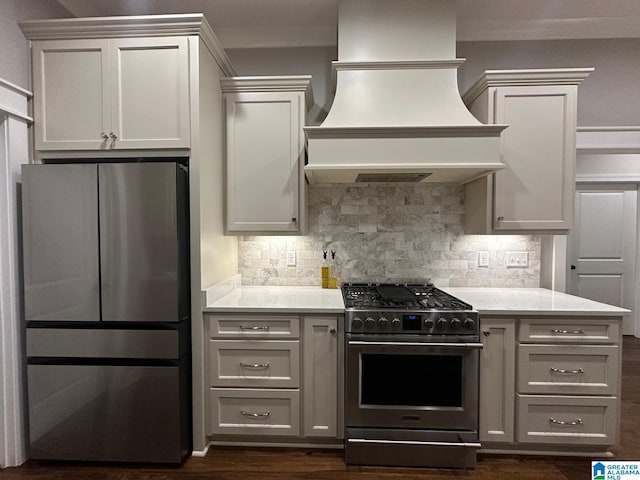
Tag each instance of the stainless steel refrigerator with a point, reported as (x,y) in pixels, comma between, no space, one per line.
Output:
(107,310)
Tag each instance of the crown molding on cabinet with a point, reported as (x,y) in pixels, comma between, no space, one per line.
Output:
(284,83)
(526,77)
(130,26)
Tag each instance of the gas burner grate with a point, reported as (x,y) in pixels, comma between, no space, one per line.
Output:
(399,296)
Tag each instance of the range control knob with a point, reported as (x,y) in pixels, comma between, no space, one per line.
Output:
(356,323)
(383,323)
(369,323)
(455,323)
(396,323)
(468,324)
(428,324)
(442,323)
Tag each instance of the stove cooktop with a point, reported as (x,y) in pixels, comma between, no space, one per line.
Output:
(411,296)
(406,308)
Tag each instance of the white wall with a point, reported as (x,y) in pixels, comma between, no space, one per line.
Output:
(314,61)
(14,151)
(608,97)
(14,51)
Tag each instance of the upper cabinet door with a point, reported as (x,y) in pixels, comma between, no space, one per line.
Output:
(534,194)
(150,92)
(536,191)
(108,94)
(71,106)
(265,149)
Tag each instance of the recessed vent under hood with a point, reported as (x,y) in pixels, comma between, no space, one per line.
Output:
(397,108)
(391,177)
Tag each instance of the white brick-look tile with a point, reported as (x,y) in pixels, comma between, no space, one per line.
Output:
(389,232)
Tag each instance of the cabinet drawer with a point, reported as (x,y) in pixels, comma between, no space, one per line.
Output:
(554,330)
(245,363)
(254,412)
(258,326)
(567,420)
(568,369)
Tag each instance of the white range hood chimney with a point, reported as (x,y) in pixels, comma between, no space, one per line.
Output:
(397,114)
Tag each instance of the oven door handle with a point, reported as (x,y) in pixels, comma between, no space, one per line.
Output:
(416,442)
(478,345)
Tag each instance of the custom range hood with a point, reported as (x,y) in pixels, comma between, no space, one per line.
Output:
(397,114)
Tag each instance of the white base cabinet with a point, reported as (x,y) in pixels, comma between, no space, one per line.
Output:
(255,412)
(497,380)
(321,375)
(274,376)
(563,420)
(535,193)
(550,382)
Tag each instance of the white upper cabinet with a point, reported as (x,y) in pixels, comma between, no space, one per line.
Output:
(535,193)
(118,93)
(266,153)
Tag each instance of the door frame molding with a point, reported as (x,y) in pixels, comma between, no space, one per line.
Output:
(608,141)
(14,151)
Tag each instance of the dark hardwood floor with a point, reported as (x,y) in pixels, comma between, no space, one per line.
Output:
(266,464)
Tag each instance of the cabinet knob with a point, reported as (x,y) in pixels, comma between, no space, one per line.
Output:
(113,135)
(486,333)
(294,219)
(332,331)
(104,136)
(500,218)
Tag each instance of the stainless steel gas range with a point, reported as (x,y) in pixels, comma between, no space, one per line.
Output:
(411,379)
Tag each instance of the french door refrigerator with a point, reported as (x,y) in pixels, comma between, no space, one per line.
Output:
(106,290)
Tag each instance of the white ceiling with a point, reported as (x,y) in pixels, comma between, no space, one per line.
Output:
(281,23)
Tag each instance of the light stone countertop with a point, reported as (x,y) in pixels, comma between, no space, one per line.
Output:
(487,301)
(531,301)
(257,299)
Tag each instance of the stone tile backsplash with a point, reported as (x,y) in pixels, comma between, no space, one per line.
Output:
(389,232)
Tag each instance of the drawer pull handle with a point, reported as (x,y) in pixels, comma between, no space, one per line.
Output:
(257,327)
(575,422)
(254,365)
(255,415)
(567,332)
(579,371)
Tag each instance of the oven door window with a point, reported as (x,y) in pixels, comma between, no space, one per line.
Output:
(411,380)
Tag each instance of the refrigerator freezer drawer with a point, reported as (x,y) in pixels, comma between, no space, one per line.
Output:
(107,413)
(102,343)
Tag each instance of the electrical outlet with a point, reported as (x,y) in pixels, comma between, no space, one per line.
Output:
(291,258)
(517,259)
(483,258)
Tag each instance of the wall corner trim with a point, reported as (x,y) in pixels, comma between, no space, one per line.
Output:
(608,139)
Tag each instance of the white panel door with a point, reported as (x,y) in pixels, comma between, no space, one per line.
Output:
(71,105)
(150,92)
(602,247)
